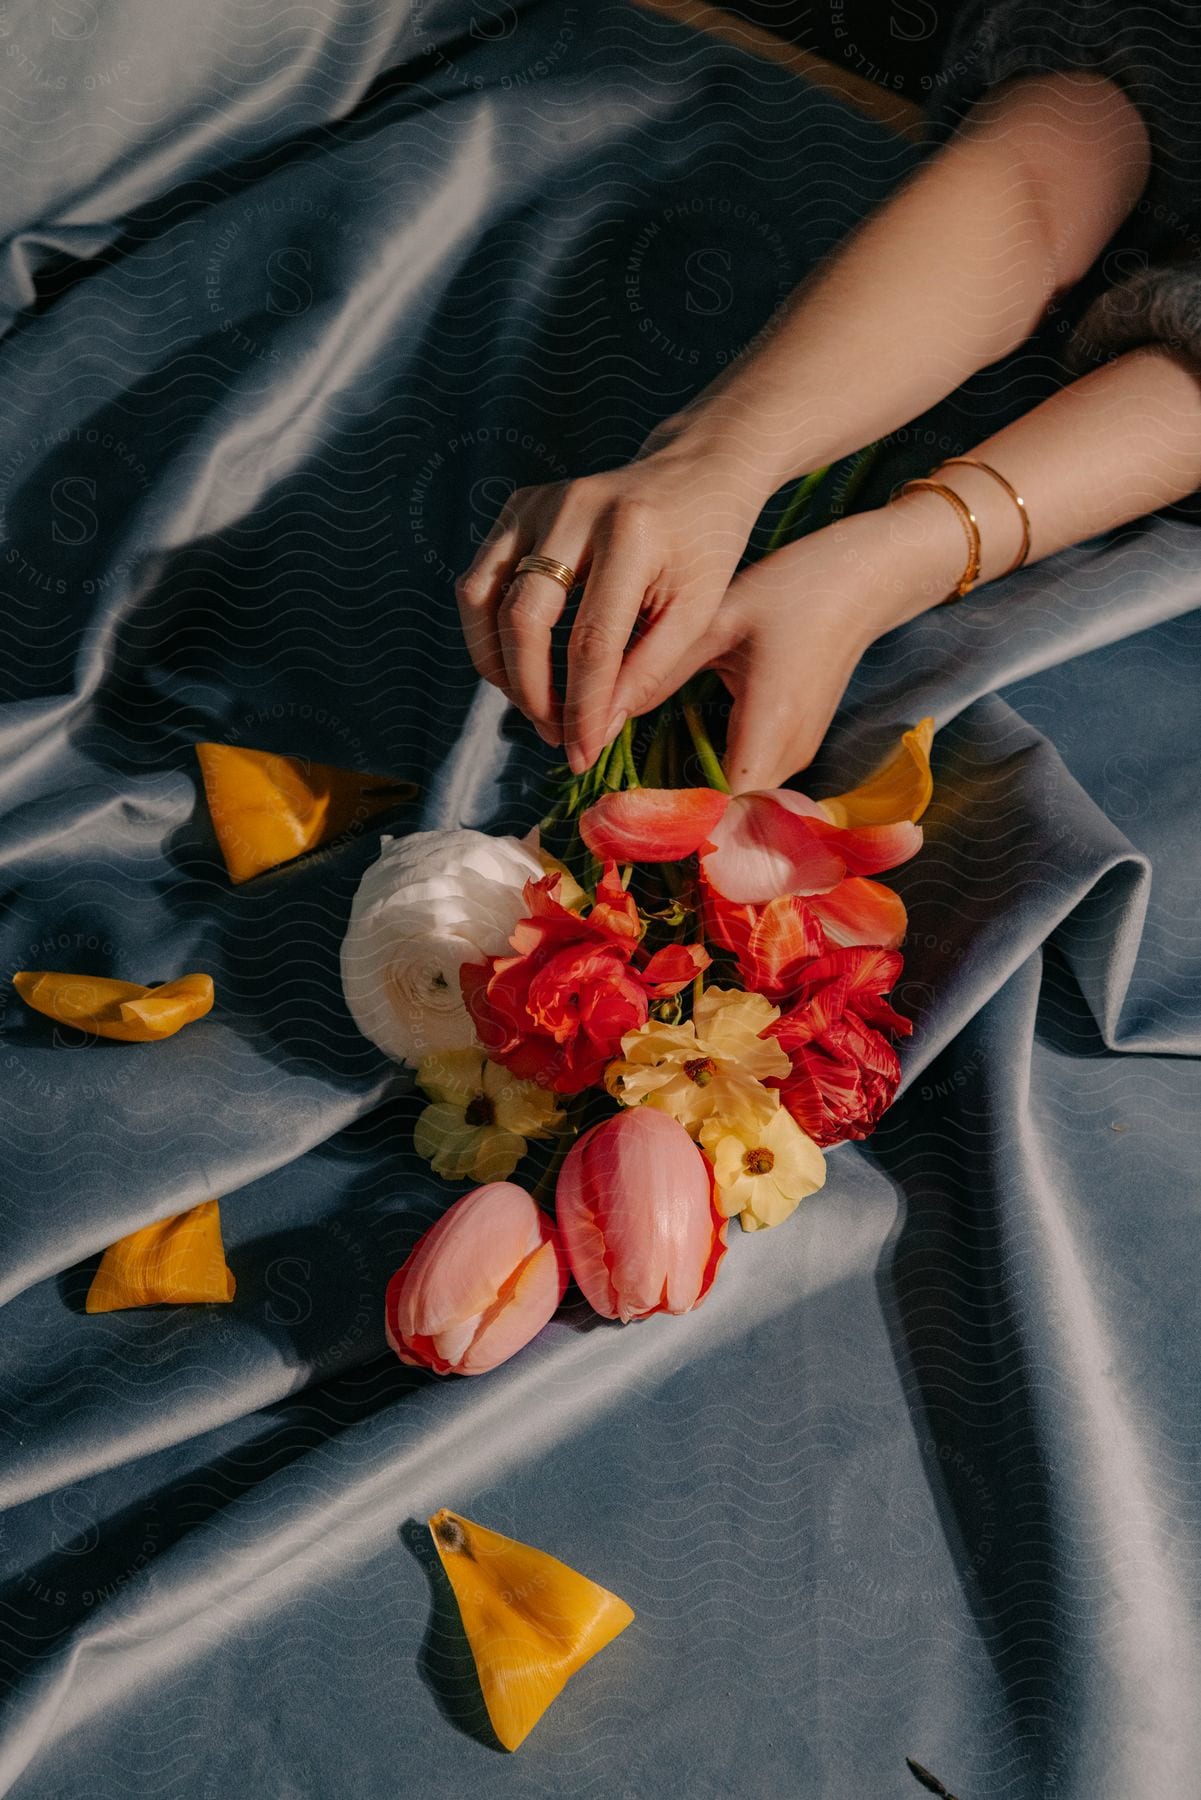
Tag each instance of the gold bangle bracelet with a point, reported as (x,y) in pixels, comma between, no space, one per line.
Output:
(973,462)
(967,519)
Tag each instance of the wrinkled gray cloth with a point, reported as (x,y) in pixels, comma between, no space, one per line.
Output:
(296,296)
(1152,274)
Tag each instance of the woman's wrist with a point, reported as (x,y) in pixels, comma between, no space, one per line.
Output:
(714,437)
(919,551)
(910,554)
(907,555)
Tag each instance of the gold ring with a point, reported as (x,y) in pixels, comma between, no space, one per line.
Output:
(546,565)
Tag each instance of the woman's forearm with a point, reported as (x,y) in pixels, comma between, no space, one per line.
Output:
(1120,442)
(949,275)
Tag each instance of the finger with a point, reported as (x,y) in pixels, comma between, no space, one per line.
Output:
(753,759)
(529,611)
(622,569)
(683,639)
(776,721)
(479,590)
(769,736)
(776,728)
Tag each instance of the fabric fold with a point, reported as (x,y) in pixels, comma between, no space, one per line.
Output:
(312,294)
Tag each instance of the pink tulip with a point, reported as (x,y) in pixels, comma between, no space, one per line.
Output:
(636,1212)
(479,1284)
(758,847)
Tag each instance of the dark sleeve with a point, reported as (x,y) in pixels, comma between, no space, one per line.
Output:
(1153,52)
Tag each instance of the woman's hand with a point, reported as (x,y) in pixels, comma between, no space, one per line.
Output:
(950,274)
(655,544)
(791,629)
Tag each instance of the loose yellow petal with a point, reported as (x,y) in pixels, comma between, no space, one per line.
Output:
(179,1261)
(116,1009)
(531,1621)
(268,809)
(899,789)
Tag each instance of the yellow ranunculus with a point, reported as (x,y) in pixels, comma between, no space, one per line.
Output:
(715,1063)
(480,1116)
(762,1172)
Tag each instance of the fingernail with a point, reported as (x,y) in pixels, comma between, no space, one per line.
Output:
(577,762)
(548,734)
(614,726)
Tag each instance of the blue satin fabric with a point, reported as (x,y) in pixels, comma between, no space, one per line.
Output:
(293,299)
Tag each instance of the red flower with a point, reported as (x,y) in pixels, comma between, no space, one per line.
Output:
(774,945)
(556,1011)
(844,1073)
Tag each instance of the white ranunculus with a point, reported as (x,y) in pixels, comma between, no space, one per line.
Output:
(432,902)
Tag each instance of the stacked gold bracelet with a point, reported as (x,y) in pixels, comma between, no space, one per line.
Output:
(967,518)
(973,462)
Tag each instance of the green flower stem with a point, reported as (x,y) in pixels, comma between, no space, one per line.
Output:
(594,778)
(673,757)
(675,885)
(805,489)
(652,767)
(625,740)
(561,787)
(707,756)
(861,468)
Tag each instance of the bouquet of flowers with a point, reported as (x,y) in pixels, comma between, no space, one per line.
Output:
(683,988)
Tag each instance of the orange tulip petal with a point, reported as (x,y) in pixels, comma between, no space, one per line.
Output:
(858,911)
(121,1010)
(785,936)
(269,809)
(899,789)
(772,844)
(867,849)
(672,968)
(651,824)
(178,1262)
(530,1620)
